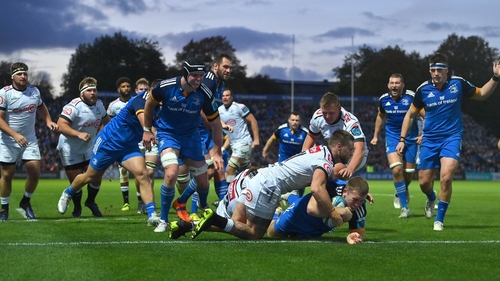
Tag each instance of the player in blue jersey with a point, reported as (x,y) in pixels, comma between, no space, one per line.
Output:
(392,110)
(291,136)
(214,79)
(441,97)
(183,98)
(117,142)
(302,220)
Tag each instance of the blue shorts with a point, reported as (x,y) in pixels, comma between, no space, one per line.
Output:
(206,140)
(104,153)
(431,151)
(410,150)
(189,146)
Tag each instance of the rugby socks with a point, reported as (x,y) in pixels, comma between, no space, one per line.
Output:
(77,199)
(194,203)
(26,197)
(5,202)
(222,222)
(70,191)
(442,208)
(125,194)
(221,188)
(431,195)
(190,189)
(203,193)
(92,192)
(150,208)
(167,195)
(401,191)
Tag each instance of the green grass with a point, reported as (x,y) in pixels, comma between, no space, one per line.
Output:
(120,246)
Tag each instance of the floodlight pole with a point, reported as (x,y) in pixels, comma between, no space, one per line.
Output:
(291,75)
(352,77)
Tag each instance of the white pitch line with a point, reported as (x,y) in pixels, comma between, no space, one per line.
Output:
(265,241)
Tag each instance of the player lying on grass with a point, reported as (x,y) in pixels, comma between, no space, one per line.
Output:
(303,220)
(254,208)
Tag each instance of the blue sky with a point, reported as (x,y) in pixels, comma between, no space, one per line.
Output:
(45,34)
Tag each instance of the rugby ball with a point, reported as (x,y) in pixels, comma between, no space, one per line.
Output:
(337,201)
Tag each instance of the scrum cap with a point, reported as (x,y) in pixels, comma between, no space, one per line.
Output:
(190,65)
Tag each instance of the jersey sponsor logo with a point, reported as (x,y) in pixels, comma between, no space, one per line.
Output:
(355,131)
(453,89)
(30,109)
(431,95)
(249,195)
(94,124)
(1,100)
(314,149)
(6,88)
(405,102)
(328,168)
(173,99)
(231,122)
(388,104)
(67,111)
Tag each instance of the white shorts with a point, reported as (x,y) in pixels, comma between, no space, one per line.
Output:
(241,150)
(152,152)
(10,154)
(261,196)
(68,159)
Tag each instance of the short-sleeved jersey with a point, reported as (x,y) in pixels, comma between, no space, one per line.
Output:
(443,113)
(125,130)
(217,87)
(115,106)
(20,112)
(180,112)
(290,141)
(395,111)
(83,118)
(347,122)
(234,116)
(296,172)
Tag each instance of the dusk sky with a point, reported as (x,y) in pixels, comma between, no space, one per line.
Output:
(45,34)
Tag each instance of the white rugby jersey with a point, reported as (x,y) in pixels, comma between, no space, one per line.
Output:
(115,106)
(296,172)
(234,189)
(347,122)
(83,118)
(234,116)
(20,112)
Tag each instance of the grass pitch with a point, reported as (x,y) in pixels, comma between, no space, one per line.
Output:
(119,246)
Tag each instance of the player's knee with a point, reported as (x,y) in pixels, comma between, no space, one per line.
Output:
(169,158)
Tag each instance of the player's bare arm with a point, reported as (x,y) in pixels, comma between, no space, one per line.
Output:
(309,141)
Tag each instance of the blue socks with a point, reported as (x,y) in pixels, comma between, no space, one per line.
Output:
(167,196)
(442,208)
(401,191)
(221,188)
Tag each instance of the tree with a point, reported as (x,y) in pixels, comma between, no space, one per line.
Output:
(109,58)
(207,49)
(372,69)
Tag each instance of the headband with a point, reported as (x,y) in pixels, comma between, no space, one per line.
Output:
(18,70)
(88,87)
(439,65)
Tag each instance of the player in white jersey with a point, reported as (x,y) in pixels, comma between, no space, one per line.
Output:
(123,88)
(19,104)
(79,122)
(332,117)
(255,207)
(237,115)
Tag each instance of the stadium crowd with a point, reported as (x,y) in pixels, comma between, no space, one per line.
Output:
(479,144)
